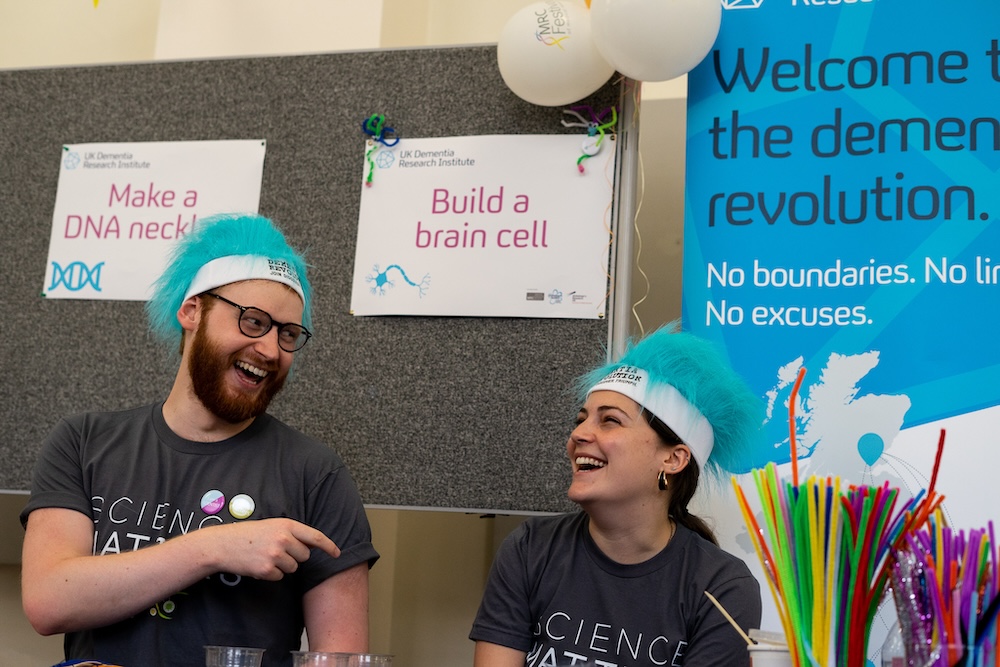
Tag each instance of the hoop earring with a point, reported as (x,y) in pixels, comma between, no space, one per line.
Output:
(661,480)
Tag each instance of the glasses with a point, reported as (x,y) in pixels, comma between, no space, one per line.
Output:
(255,323)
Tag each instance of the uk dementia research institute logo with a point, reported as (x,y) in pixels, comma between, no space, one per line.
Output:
(71,160)
(741,4)
(384,159)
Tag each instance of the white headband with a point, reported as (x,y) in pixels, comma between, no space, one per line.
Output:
(667,404)
(234,268)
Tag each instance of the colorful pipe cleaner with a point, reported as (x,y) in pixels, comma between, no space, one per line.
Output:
(374,126)
(596,128)
(827,553)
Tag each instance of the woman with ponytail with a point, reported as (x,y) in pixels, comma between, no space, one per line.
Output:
(623,581)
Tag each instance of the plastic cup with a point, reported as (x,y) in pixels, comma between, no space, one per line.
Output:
(769,655)
(955,654)
(233,656)
(320,659)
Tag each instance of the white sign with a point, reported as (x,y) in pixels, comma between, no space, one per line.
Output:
(504,226)
(120,207)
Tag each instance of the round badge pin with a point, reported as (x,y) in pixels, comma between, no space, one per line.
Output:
(213,501)
(241,506)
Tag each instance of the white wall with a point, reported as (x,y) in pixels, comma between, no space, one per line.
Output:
(189,29)
(19,645)
(47,33)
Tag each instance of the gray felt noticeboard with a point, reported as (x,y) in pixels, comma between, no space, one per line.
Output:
(452,413)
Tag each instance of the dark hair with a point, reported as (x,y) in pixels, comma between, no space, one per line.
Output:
(683,485)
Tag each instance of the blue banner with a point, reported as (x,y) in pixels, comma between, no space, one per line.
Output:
(841,213)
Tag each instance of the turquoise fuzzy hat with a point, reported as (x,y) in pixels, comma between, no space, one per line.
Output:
(221,236)
(702,398)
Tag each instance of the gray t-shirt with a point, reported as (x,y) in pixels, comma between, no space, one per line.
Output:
(142,484)
(553,594)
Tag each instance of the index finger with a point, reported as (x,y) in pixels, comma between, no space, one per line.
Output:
(315,538)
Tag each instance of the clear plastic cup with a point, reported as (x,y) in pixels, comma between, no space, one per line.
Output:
(955,654)
(233,656)
(769,655)
(320,659)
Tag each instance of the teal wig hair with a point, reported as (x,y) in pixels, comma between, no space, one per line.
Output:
(696,369)
(214,237)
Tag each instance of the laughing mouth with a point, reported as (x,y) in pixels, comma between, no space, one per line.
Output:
(254,373)
(588,463)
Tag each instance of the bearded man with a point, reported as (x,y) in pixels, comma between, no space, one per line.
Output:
(202,520)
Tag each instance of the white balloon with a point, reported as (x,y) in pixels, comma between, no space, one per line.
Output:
(546,55)
(655,40)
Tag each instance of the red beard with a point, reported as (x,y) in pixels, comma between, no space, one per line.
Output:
(208,367)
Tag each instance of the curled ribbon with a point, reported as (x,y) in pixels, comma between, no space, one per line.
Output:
(596,128)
